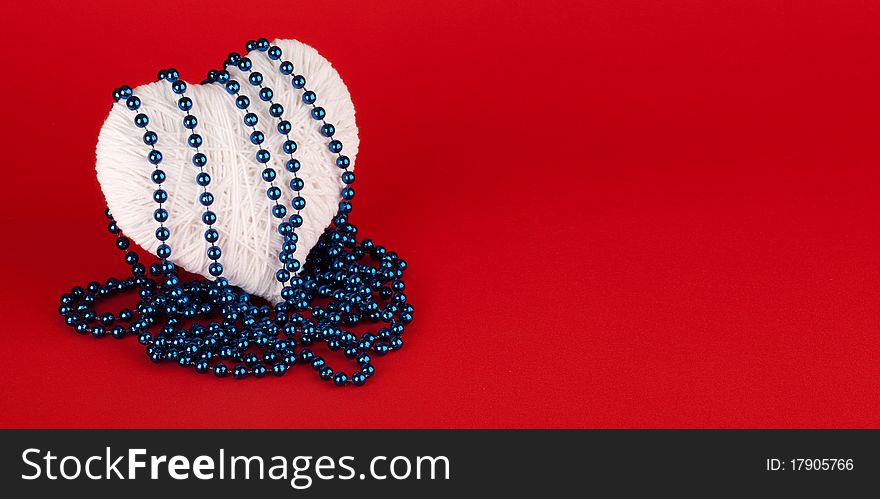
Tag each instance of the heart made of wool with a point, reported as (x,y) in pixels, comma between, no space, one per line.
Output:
(248,233)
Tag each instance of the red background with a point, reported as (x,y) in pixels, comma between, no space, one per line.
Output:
(617,213)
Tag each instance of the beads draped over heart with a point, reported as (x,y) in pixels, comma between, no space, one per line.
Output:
(324,300)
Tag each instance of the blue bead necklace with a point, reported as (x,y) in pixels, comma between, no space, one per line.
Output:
(343,284)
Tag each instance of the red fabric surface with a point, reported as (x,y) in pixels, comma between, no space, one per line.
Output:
(616,213)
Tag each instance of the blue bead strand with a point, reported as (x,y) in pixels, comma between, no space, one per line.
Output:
(290,265)
(340,240)
(199,160)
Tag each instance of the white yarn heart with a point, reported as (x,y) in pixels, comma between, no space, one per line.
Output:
(248,235)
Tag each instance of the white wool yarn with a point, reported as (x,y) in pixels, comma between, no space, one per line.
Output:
(248,232)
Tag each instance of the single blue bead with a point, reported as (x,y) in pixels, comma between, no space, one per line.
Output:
(206,199)
(160,196)
(245,64)
(279,369)
(232,87)
(273,193)
(162,233)
(285,68)
(215,269)
(239,372)
(184,103)
(292,265)
(298,203)
(278,211)
(348,177)
(220,370)
(289,146)
(257,137)
(172,75)
(233,58)
(201,366)
(250,45)
(106,318)
(194,140)
(309,97)
(292,165)
(150,138)
(296,184)
(269,174)
(209,218)
(160,215)
(212,76)
(282,276)
(285,229)
(163,251)
(133,103)
(266,94)
(190,122)
(335,146)
(262,44)
(214,252)
(358,378)
(250,119)
(223,76)
(124,91)
(326,373)
(259,371)
(203,179)
(274,53)
(343,162)
(328,130)
(347,193)
(242,102)
(269,356)
(255,78)
(284,127)
(298,81)
(263,156)
(340,379)
(318,113)
(275,110)
(199,159)
(251,359)
(141,120)
(161,74)
(145,338)
(211,235)
(158,176)
(154,157)
(178,87)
